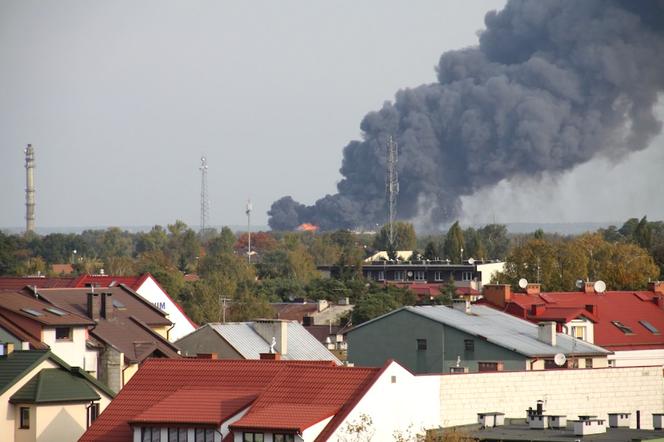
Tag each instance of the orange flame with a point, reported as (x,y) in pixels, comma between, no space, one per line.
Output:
(307,227)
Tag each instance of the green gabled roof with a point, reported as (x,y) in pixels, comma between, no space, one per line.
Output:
(17,364)
(55,385)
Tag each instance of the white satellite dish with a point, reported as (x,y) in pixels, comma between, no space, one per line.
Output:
(410,273)
(523,283)
(579,283)
(471,261)
(559,359)
(599,286)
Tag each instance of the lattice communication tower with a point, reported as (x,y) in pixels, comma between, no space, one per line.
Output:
(205,202)
(392,186)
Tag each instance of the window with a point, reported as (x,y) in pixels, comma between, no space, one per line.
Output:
(207,435)
(489,366)
(25,418)
(623,328)
(381,276)
(469,344)
(393,379)
(93,412)
(150,434)
(419,275)
(398,275)
(421,344)
(651,328)
(252,437)
(589,362)
(280,437)
(177,435)
(438,276)
(579,332)
(467,276)
(63,333)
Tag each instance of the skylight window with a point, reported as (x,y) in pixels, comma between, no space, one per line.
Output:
(651,328)
(623,328)
(32,312)
(55,311)
(117,304)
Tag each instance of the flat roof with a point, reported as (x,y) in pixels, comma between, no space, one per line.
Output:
(517,430)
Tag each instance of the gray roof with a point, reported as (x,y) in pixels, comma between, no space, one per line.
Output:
(504,330)
(302,345)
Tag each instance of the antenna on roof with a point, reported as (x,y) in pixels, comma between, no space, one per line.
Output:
(471,261)
(523,283)
(559,359)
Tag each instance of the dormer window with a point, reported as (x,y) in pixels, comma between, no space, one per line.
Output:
(623,328)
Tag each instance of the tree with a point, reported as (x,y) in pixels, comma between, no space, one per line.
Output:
(452,249)
(404,237)
(154,240)
(379,300)
(474,244)
(159,265)
(119,265)
(223,243)
(495,239)
(183,246)
(115,242)
(431,251)
(643,234)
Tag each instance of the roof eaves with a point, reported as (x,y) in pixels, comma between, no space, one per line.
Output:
(27,370)
(143,300)
(145,277)
(378,318)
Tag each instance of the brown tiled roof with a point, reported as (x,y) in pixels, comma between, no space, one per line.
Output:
(21,334)
(20,303)
(321,332)
(293,311)
(134,338)
(76,299)
(16,283)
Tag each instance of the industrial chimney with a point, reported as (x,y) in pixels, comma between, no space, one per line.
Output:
(29,189)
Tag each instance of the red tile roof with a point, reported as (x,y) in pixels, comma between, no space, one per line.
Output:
(628,307)
(11,283)
(289,394)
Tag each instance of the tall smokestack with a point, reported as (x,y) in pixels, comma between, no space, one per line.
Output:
(29,189)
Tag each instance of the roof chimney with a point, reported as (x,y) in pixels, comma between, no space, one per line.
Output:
(588,287)
(533,289)
(497,294)
(274,328)
(270,356)
(93,305)
(547,332)
(461,305)
(107,305)
(211,356)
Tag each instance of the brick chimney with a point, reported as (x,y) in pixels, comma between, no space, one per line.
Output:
(656,286)
(588,287)
(270,356)
(6,348)
(274,328)
(212,356)
(592,308)
(107,305)
(547,332)
(94,306)
(497,294)
(533,289)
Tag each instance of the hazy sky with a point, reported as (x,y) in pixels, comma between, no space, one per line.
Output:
(121,98)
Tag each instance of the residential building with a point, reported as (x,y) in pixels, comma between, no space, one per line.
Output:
(440,339)
(42,398)
(248,340)
(107,333)
(144,285)
(214,400)
(629,323)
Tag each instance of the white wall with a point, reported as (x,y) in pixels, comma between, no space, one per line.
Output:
(569,392)
(411,404)
(151,291)
(72,351)
(488,270)
(637,358)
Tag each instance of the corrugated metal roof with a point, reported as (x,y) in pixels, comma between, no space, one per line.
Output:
(505,330)
(302,345)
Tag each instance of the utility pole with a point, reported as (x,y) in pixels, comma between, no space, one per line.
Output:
(392,187)
(222,304)
(205,202)
(29,189)
(248,212)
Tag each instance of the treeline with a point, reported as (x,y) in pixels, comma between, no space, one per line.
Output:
(231,284)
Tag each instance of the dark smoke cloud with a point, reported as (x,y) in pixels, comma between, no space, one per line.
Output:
(551,85)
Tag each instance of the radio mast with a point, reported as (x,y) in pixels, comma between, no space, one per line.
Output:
(29,189)
(205,202)
(248,212)
(392,186)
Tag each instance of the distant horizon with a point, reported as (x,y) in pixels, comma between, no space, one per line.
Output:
(565,228)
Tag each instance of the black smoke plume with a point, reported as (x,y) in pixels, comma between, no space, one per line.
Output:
(551,85)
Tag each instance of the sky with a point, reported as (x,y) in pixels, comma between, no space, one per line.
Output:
(120,100)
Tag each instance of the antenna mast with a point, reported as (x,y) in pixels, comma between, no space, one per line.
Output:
(248,212)
(392,186)
(29,189)
(205,202)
